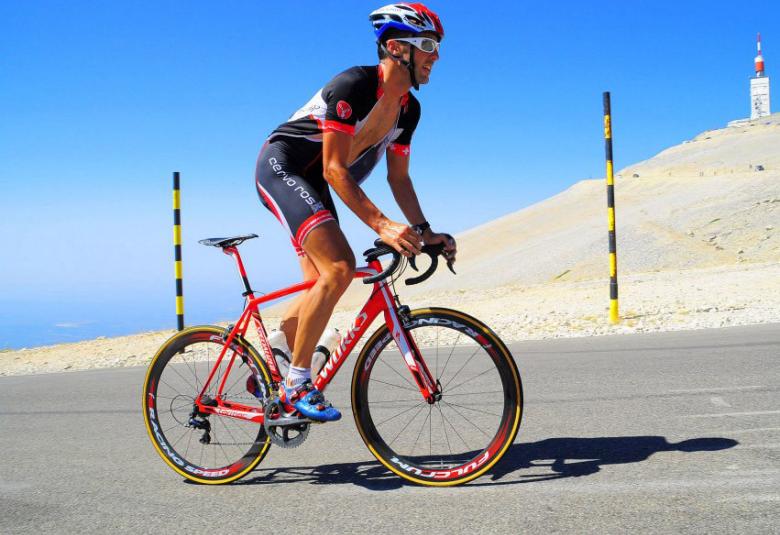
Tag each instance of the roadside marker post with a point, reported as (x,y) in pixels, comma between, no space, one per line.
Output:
(177,252)
(614,316)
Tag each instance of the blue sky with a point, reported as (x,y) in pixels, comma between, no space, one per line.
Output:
(101,101)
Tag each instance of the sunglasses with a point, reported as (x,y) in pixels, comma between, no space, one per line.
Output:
(426,44)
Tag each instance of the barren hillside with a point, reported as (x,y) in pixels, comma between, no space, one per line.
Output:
(703,203)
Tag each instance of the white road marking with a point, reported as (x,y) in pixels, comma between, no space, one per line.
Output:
(716,389)
(719,401)
(742,498)
(724,414)
(759,446)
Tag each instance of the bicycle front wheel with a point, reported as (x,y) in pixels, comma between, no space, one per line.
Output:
(462,435)
(209,449)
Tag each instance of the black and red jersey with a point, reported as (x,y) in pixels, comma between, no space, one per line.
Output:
(343,105)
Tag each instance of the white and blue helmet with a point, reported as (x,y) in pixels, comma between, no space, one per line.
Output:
(415,18)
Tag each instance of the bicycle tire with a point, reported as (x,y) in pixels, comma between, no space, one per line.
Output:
(175,376)
(380,396)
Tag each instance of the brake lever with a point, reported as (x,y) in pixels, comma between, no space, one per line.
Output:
(449,260)
(449,265)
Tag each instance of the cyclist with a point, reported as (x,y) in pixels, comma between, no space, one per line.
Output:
(335,140)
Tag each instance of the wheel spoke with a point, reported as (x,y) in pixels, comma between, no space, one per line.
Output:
(190,385)
(174,426)
(173,444)
(437,353)
(407,425)
(179,407)
(189,440)
(178,393)
(444,427)
(219,443)
(231,435)
(430,430)
(396,372)
(454,345)
(456,432)
(421,430)
(461,368)
(468,420)
(229,389)
(192,369)
(469,380)
(475,410)
(395,385)
(241,427)
(399,414)
(451,395)
(392,401)
(158,396)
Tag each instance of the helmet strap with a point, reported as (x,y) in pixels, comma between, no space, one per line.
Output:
(408,64)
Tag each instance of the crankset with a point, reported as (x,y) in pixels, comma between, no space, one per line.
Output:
(284,429)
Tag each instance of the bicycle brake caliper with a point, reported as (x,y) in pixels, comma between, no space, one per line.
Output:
(405,315)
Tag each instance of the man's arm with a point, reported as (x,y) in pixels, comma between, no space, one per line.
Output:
(402,187)
(403,191)
(335,153)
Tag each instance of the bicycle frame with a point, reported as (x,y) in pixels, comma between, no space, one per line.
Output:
(381,300)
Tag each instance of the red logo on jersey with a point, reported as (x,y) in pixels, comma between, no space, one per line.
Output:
(343,109)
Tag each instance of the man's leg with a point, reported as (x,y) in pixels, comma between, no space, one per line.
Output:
(328,250)
(289,323)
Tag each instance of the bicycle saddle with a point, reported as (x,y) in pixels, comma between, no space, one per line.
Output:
(227,242)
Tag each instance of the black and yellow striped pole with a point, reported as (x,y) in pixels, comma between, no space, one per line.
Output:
(614,316)
(177,252)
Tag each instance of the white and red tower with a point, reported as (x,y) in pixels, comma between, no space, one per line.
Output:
(759,87)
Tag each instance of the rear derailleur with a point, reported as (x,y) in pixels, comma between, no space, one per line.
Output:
(199,420)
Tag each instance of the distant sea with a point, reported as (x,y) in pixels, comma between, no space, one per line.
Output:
(27,326)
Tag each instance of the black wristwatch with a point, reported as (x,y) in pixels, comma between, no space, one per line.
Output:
(421,227)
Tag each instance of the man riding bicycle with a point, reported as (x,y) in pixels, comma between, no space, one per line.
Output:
(336,139)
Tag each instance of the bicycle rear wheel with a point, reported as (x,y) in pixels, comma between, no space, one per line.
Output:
(462,435)
(208,449)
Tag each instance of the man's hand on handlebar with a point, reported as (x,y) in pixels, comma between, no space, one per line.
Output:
(400,237)
(450,247)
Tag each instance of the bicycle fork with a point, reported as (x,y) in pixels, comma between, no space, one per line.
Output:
(396,318)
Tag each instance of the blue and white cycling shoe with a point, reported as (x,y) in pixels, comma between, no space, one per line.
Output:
(309,402)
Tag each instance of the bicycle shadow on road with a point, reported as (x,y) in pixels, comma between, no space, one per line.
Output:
(577,457)
(557,457)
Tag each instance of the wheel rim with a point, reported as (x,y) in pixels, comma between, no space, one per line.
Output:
(460,433)
(177,377)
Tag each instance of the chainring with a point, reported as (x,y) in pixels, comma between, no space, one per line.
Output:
(289,435)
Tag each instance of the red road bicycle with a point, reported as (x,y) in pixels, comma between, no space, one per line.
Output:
(436,395)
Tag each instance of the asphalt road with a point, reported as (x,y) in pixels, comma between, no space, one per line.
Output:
(663,433)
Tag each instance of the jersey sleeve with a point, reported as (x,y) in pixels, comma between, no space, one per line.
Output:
(345,99)
(407,123)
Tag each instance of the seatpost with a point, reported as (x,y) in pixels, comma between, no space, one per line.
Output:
(233,251)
